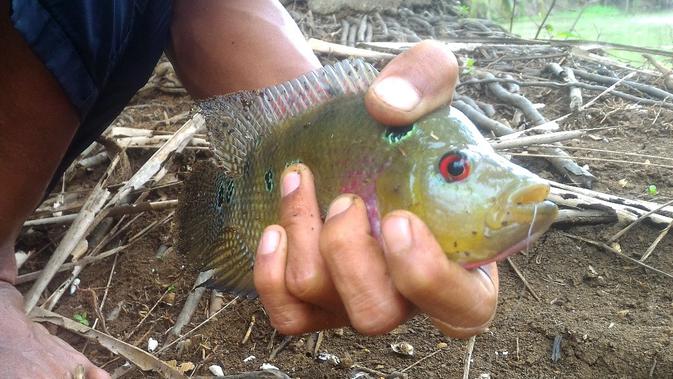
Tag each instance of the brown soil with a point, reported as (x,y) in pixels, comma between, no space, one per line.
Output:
(614,319)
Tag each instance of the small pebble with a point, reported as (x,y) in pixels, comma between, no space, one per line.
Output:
(249,359)
(329,358)
(152,344)
(442,345)
(268,366)
(74,286)
(556,349)
(216,370)
(403,348)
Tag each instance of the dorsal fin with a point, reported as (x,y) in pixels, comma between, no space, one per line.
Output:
(238,121)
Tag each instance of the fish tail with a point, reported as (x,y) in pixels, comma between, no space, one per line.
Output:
(205,233)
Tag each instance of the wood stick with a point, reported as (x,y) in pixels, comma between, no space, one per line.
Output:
(639,205)
(191,303)
(654,244)
(550,84)
(198,326)
(113,211)
(25,278)
(563,162)
(320,46)
(77,231)
(537,139)
(176,143)
(618,253)
(523,279)
(623,213)
(468,357)
(585,217)
(640,218)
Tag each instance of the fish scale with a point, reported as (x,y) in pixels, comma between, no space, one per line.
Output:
(478,205)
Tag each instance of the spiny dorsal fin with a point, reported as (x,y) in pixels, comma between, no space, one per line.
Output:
(236,122)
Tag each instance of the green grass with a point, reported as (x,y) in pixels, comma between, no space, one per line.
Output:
(605,24)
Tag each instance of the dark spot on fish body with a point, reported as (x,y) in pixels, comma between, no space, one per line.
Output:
(220,197)
(268,180)
(455,244)
(474,232)
(230,192)
(397,134)
(504,223)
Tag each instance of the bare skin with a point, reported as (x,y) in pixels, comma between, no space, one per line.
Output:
(309,275)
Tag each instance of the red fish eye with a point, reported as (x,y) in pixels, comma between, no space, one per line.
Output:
(454,167)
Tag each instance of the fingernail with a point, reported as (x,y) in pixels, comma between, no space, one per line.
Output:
(270,241)
(339,206)
(397,235)
(291,182)
(398,93)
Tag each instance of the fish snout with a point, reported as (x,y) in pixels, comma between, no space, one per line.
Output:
(525,205)
(530,194)
(529,202)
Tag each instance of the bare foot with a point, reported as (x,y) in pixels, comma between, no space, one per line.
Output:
(29,351)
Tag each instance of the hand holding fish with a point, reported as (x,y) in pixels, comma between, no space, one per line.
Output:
(369,265)
(313,276)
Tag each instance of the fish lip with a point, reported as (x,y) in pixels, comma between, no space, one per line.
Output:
(546,214)
(505,253)
(542,209)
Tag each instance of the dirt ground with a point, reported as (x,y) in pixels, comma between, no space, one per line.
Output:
(614,319)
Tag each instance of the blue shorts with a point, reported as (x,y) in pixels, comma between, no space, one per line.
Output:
(100,52)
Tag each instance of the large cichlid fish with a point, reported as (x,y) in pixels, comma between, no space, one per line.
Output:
(479,206)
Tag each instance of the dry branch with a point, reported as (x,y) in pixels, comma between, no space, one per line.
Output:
(320,46)
(566,75)
(191,303)
(550,84)
(77,231)
(176,143)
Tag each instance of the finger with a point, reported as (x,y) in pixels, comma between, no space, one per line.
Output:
(358,268)
(413,84)
(463,302)
(93,372)
(307,276)
(288,314)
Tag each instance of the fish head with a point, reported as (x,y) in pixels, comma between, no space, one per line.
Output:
(479,206)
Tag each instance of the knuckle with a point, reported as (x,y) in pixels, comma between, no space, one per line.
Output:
(287,322)
(418,283)
(303,284)
(371,316)
(335,240)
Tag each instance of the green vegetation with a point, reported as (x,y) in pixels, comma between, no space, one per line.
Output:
(82,318)
(605,24)
(652,190)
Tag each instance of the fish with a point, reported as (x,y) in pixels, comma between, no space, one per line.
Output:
(479,206)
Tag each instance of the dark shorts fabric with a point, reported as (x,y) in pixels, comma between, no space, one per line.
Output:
(100,51)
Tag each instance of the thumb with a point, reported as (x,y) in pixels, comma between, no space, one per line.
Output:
(413,84)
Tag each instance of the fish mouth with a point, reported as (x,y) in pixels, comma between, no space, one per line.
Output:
(517,247)
(532,220)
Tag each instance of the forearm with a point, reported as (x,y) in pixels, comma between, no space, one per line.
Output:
(224,46)
(37,123)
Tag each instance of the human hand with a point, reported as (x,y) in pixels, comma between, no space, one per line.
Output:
(29,351)
(312,275)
